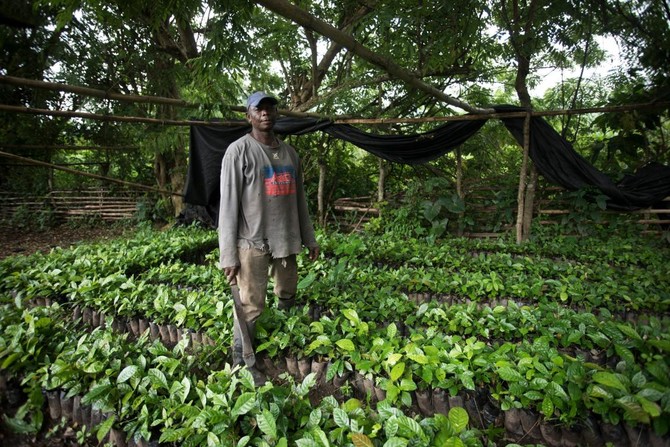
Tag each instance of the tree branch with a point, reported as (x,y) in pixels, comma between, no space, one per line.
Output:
(303,18)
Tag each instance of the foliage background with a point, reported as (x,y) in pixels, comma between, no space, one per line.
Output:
(213,54)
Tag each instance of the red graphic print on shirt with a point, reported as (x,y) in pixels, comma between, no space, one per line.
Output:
(279,180)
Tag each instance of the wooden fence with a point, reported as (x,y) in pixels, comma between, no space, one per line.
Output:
(66,205)
(491,212)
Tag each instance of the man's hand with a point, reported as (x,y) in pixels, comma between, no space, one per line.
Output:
(313,253)
(231,274)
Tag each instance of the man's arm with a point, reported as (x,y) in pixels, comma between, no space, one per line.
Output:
(229,209)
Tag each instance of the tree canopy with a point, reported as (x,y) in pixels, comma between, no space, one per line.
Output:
(373,58)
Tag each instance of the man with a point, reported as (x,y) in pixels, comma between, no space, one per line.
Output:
(263,222)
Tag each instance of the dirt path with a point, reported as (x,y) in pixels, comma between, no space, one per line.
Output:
(16,241)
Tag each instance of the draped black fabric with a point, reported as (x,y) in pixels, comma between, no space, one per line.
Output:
(409,149)
(558,162)
(553,156)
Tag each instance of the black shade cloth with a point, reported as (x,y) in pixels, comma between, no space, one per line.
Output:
(558,162)
(409,149)
(553,155)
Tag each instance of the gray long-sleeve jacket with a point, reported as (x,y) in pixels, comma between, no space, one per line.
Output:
(263,201)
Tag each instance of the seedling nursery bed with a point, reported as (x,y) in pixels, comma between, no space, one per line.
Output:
(395,341)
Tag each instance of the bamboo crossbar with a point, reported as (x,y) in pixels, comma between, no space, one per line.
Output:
(66,148)
(642,211)
(357,209)
(86,91)
(336,120)
(369,121)
(87,174)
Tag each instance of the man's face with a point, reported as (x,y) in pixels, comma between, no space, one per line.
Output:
(263,116)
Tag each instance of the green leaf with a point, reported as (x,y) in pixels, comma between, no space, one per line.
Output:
(212,440)
(351,405)
(659,369)
(625,353)
(394,358)
(409,427)
(96,392)
(315,417)
(651,408)
(418,358)
(186,388)
(321,340)
(396,442)
(467,381)
(352,316)
(397,371)
(547,407)
(663,345)
(128,372)
(629,331)
(407,385)
(458,417)
(94,367)
(307,383)
(307,281)
(306,442)
(633,410)
(609,379)
(341,418)
(157,378)
(105,427)
(346,344)
(10,359)
(510,374)
(455,442)
(533,395)
(244,441)
(639,380)
(650,394)
(391,331)
(246,379)
(599,392)
(320,436)
(244,404)
(267,424)
(174,435)
(391,427)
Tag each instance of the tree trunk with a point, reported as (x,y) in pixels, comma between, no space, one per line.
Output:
(178,176)
(459,187)
(519,19)
(520,236)
(529,202)
(381,184)
(321,193)
(171,160)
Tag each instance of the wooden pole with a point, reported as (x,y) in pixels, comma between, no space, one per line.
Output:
(368,121)
(520,236)
(87,174)
(127,119)
(459,186)
(381,183)
(66,148)
(86,91)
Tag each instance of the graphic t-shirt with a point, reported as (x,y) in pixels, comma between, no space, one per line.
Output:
(262,201)
(279,180)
